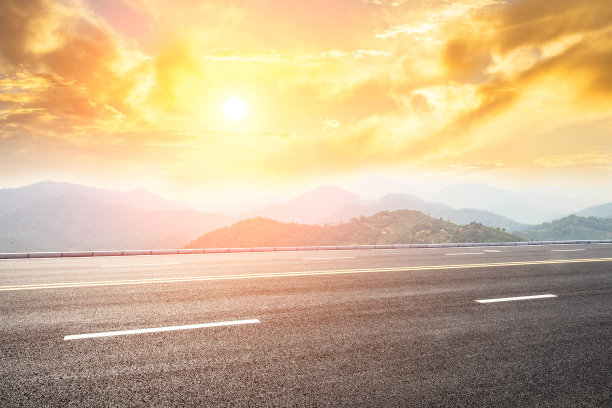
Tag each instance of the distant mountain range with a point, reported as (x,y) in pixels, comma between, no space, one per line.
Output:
(393,202)
(12,199)
(599,211)
(60,217)
(51,216)
(387,227)
(308,208)
(527,207)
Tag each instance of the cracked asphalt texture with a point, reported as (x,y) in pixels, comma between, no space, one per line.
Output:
(390,339)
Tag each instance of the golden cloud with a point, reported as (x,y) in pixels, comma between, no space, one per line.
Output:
(409,82)
(594,157)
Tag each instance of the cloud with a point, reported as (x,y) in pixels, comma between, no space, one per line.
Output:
(466,60)
(330,86)
(594,157)
(536,22)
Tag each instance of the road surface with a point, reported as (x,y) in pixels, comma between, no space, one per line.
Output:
(409,328)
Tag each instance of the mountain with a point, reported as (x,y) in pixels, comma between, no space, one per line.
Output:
(393,202)
(599,211)
(12,199)
(570,228)
(528,207)
(308,208)
(386,227)
(73,222)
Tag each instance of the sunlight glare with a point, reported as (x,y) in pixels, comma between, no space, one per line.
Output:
(235,108)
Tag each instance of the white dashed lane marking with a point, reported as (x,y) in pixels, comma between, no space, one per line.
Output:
(155,264)
(158,329)
(465,253)
(509,299)
(335,257)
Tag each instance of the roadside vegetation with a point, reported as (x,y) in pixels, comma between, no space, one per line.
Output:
(386,227)
(568,228)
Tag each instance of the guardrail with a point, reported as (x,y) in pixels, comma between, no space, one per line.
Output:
(73,254)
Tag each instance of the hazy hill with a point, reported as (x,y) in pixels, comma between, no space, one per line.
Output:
(393,202)
(383,228)
(12,199)
(308,208)
(599,211)
(569,228)
(528,207)
(72,222)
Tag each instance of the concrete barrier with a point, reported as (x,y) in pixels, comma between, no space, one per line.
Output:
(216,250)
(164,252)
(15,255)
(307,248)
(187,251)
(133,252)
(20,255)
(236,250)
(107,253)
(74,254)
(45,255)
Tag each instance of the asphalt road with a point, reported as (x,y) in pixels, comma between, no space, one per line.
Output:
(376,328)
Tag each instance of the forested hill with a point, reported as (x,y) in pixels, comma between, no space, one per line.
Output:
(569,228)
(387,227)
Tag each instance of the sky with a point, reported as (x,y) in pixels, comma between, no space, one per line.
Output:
(131,93)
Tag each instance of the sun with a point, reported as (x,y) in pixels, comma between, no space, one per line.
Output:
(234,108)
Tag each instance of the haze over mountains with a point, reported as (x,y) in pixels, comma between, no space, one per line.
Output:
(310,207)
(398,201)
(599,211)
(527,207)
(51,216)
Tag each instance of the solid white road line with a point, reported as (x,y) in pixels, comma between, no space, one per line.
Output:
(567,250)
(159,329)
(465,253)
(516,298)
(155,264)
(335,257)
